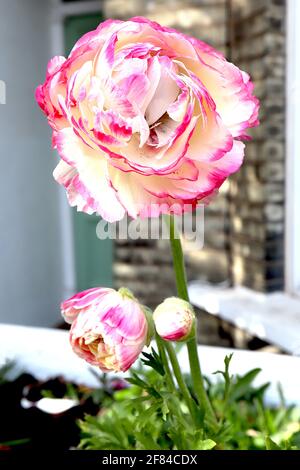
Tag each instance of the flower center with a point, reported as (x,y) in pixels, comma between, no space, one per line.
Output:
(161,131)
(94,346)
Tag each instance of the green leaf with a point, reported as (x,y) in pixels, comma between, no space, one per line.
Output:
(242,384)
(260,391)
(143,420)
(295,440)
(175,408)
(206,444)
(178,438)
(47,394)
(164,410)
(271,445)
(136,380)
(281,395)
(147,442)
(127,393)
(153,360)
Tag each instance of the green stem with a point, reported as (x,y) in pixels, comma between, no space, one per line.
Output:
(164,346)
(181,383)
(197,379)
(164,358)
(181,284)
(178,260)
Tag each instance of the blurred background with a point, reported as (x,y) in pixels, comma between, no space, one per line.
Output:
(252,230)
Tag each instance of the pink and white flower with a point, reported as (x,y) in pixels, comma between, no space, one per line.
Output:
(174,319)
(145,116)
(109,328)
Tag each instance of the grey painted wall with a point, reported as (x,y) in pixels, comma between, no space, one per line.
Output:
(30,245)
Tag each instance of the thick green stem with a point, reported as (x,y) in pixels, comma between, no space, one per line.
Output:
(178,260)
(181,383)
(197,379)
(181,284)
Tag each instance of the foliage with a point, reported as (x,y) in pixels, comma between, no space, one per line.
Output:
(149,416)
(143,417)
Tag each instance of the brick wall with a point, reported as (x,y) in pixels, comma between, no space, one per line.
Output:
(256,195)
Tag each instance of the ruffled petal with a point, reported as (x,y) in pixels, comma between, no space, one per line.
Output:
(90,184)
(144,118)
(71,308)
(231,90)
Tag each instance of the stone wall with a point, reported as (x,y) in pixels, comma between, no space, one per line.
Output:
(244,225)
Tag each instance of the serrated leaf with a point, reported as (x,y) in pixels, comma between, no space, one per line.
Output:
(153,360)
(147,442)
(144,419)
(135,380)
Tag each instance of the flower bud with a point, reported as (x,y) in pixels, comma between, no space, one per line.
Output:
(109,329)
(174,319)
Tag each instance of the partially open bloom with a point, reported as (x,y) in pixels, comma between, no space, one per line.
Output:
(174,319)
(145,119)
(109,328)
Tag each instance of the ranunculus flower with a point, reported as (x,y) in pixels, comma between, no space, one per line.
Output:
(109,328)
(174,319)
(145,118)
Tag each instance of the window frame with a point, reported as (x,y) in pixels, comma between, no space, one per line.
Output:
(59,11)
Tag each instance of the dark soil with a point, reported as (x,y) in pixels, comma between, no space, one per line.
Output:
(38,429)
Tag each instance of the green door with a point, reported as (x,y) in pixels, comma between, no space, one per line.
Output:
(93,257)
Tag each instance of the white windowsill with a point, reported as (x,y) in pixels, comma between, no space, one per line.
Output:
(274,317)
(46,353)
